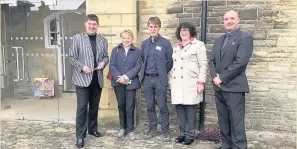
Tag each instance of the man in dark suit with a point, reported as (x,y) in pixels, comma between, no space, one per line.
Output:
(157,58)
(88,56)
(229,59)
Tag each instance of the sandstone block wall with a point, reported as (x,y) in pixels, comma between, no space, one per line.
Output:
(271,104)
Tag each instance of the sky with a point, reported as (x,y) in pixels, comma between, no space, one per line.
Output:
(53,4)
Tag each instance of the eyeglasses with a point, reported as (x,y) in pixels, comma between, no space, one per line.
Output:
(184,30)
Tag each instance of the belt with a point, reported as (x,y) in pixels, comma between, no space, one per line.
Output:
(152,75)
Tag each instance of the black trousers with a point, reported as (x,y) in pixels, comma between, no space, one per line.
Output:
(231,112)
(87,118)
(126,106)
(186,115)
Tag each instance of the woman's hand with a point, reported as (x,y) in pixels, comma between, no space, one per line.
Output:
(123,80)
(200,87)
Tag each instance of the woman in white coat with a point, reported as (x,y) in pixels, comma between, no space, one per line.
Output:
(187,79)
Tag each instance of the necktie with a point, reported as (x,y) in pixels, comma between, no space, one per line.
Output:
(226,40)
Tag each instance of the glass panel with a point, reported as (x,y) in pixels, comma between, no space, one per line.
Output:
(53,25)
(71,23)
(53,37)
(35,88)
(6,83)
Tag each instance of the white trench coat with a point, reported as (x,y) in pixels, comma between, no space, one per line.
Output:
(189,67)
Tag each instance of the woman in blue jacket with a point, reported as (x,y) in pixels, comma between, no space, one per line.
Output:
(125,64)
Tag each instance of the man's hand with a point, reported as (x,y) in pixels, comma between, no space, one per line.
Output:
(121,80)
(101,65)
(217,80)
(86,69)
(200,87)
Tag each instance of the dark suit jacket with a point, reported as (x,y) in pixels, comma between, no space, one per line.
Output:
(81,54)
(129,65)
(231,62)
(163,59)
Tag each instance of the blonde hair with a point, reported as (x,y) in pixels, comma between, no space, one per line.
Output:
(127,31)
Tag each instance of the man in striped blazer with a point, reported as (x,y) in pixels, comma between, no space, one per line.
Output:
(88,56)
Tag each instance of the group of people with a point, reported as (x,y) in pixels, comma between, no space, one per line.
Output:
(131,67)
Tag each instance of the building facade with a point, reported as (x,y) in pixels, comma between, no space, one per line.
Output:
(272,71)
(271,104)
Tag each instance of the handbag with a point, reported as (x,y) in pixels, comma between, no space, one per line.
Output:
(214,136)
(109,76)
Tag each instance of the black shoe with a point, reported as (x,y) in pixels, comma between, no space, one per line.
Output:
(187,141)
(96,134)
(223,148)
(80,143)
(180,139)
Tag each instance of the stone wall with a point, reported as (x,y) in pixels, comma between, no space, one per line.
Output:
(271,104)
(114,16)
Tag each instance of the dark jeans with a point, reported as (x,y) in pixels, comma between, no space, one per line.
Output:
(87,119)
(126,105)
(186,115)
(153,87)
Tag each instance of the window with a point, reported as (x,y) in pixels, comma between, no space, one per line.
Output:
(51,31)
(53,24)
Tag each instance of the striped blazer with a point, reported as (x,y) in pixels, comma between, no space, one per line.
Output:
(80,54)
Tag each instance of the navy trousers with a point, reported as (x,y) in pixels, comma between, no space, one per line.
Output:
(155,91)
(126,105)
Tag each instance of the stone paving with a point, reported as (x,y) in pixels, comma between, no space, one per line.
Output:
(41,135)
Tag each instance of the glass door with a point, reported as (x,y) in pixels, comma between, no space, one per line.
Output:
(33,30)
(71,23)
(35,71)
(6,83)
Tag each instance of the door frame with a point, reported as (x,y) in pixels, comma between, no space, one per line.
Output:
(61,55)
(6,83)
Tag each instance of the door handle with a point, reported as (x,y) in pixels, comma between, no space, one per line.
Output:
(17,63)
(23,62)
(3,64)
(3,71)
